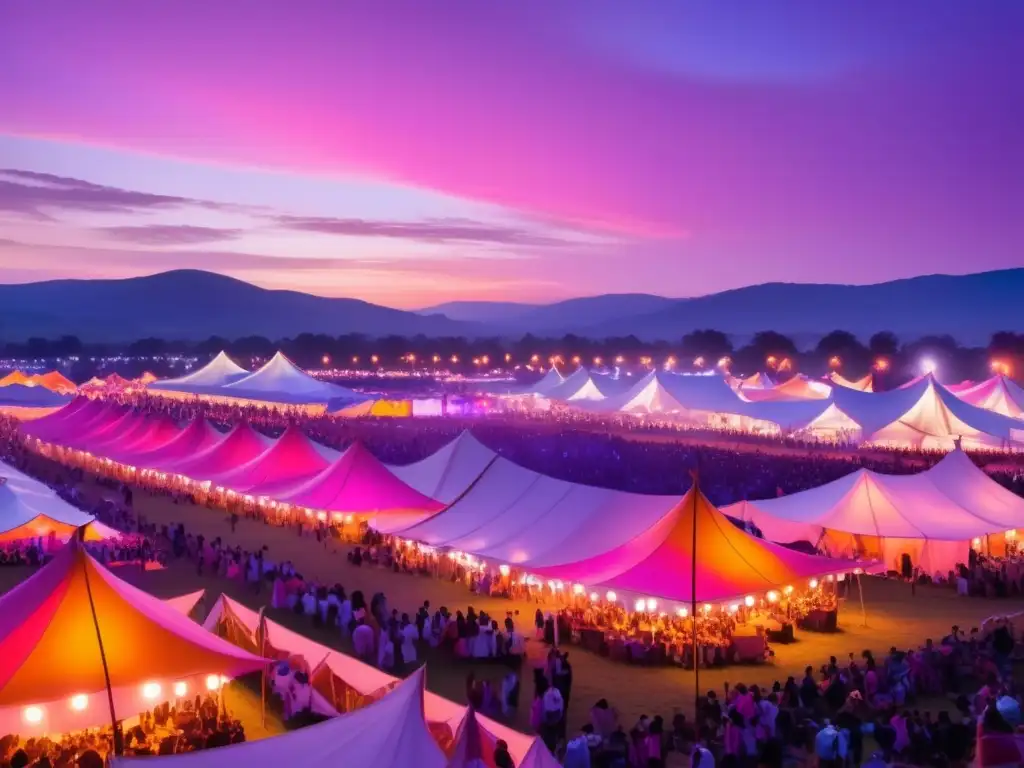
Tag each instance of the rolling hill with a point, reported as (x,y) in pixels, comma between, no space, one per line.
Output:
(193,305)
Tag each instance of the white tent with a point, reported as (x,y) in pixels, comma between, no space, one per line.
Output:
(219,372)
(577,386)
(31,509)
(926,416)
(999,394)
(281,381)
(514,515)
(449,472)
(933,516)
(865,384)
(389,733)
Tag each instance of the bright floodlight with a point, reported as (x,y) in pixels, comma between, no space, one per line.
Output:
(928,365)
(212,682)
(180,689)
(150,691)
(79,702)
(33,715)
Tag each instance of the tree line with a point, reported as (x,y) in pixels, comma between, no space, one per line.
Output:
(883,354)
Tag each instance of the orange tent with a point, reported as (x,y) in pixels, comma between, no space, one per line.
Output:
(15,377)
(55,381)
(146,378)
(61,627)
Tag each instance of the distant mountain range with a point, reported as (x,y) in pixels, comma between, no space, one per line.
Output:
(194,305)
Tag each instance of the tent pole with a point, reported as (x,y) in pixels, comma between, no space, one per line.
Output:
(118,736)
(863,610)
(693,596)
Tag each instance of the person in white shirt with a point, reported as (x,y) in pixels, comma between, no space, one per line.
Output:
(702,757)
(830,745)
(362,638)
(409,637)
(553,704)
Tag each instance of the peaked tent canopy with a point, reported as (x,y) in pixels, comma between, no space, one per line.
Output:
(15,377)
(865,384)
(291,457)
(239,446)
(52,424)
(219,372)
(999,394)
(932,515)
(49,644)
(160,431)
(797,388)
(197,437)
(448,473)
(389,733)
(474,744)
(356,483)
(29,509)
(926,416)
(281,381)
(730,563)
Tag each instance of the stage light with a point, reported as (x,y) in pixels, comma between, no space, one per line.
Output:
(212,682)
(748,601)
(33,715)
(929,366)
(79,702)
(773,596)
(610,596)
(652,604)
(180,689)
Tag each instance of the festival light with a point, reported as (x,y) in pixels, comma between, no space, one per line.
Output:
(180,688)
(707,607)
(79,702)
(150,691)
(610,596)
(326,360)
(681,613)
(881,365)
(534,359)
(1001,368)
(436,359)
(486,360)
(748,601)
(508,357)
(724,362)
(734,607)
(374,359)
(670,362)
(976,543)
(639,605)
(213,682)
(597,361)
(504,570)
(454,359)
(835,362)
(771,361)
(594,597)
(619,360)
(773,596)
(33,715)
(577,589)
(1011,534)
(699,361)
(652,604)
(788,590)
(928,365)
(355,359)
(814,583)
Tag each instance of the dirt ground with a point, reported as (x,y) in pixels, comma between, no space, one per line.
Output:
(896,616)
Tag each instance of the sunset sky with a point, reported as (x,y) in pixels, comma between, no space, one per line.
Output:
(413,152)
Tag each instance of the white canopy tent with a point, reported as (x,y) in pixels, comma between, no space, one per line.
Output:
(999,394)
(31,509)
(281,381)
(934,516)
(449,472)
(219,372)
(926,416)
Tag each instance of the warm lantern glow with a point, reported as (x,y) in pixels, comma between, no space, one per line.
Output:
(33,715)
(835,362)
(534,358)
(976,543)
(594,597)
(681,613)
(724,362)
(79,702)
(180,689)
(1002,368)
(928,365)
(355,359)
(504,569)
(881,365)
(436,359)
(577,589)
(652,604)
(454,359)
(212,682)
(610,596)
(639,605)
(620,359)
(707,607)
(699,362)
(508,357)
(773,596)
(771,361)
(374,359)
(814,583)
(748,601)
(150,691)
(734,607)
(597,361)
(788,590)
(575,359)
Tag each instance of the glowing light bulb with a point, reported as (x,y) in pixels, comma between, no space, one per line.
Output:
(681,613)
(639,605)
(150,691)
(180,689)
(773,596)
(577,589)
(33,715)
(79,702)
(652,604)
(212,682)
(707,607)
(814,583)
(748,601)
(504,570)
(734,607)
(788,590)
(610,596)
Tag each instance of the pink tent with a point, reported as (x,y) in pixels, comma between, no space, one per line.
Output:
(160,431)
(730,562)
(131,432)
(999,394)
(291,457)
(356,483)
(240,445)
(474,745)
(86,424)
(77,408)
(198,436)
(109,434)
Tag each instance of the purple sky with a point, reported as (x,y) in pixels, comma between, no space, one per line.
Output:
(411,152)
